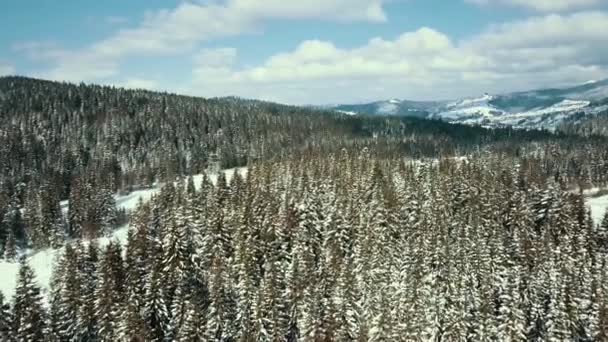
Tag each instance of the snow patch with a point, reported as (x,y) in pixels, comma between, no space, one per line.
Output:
(598,206)
(387,108)
(346,112)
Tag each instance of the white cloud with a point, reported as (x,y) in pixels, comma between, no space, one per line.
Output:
(319,72)
(343,10)
(424,64)
(547,31)
(541,5)
(215,57)
(6,69)
(180,30)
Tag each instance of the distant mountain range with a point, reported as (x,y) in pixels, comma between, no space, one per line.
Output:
(543,108)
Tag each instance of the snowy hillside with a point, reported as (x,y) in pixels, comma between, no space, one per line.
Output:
(473,108)
(598,206)
(544,108)
(389,107)
(482,111)
(42,262)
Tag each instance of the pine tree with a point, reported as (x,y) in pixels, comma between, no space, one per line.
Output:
(105,210)
(511,318)
(193,328)
(10,248)
(108,295)
(156,313)
(70,296)
(87,314)
(6,333)
(602,234)
(221,314)
(29,317)
(75,211)
(132,326)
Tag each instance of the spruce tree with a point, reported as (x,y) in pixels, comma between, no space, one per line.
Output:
(70,296)
(156,313)
(89,273)
(6,324)
(108,296)
(29,322)
(10,248)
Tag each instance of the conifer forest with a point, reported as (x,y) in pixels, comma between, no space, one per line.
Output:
(163,217)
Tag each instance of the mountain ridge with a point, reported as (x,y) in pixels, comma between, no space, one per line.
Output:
(539,108)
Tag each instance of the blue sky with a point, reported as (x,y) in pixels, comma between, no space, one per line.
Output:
(310,52)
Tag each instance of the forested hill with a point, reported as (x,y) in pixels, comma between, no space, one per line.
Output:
(53,132)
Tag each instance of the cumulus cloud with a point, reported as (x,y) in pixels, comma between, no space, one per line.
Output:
(547,31)
(180,30)
(215,57)
(541,5)
(343,10)
(424,64)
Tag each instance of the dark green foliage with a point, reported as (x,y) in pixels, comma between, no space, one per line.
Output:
(29,321)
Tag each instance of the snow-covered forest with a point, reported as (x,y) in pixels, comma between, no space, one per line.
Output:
(348,247)
(342,228)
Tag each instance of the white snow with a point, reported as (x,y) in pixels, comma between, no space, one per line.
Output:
(471,102)
(387,107)
(564,106)
(347,112)
(484,111)
(480,111)
(598,206)
(42,261)
(471,107)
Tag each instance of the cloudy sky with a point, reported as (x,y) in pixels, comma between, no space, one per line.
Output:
(309,52)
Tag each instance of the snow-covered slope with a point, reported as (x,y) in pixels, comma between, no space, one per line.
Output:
(467,109)
(42,261)
(544,108)
(389,107)
(598,206)
(482,111)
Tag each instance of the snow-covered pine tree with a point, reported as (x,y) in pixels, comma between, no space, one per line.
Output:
(246,273)
(10,247)
(193,327)
(105,207)
(29,317)
(75,210)
(70,296)
(602,234)
(221,314)
(6,321)
(138,260)
(272,307)
(156,314)
(108,295)
(87,315)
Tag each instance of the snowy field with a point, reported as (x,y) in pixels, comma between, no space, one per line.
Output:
(598,207)
(42,261)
